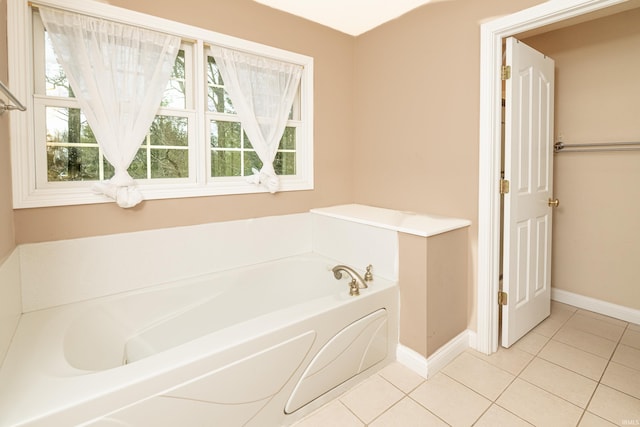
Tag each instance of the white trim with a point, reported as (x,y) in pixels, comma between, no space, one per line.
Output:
(412,360)
(491,35)
(621,312)
(447,353)
(427,368)
(26,191)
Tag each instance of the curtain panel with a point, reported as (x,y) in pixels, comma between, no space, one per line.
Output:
(262,91)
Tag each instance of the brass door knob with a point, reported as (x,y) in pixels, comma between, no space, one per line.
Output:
(554,203)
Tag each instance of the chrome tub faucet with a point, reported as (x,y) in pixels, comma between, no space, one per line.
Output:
(357,282)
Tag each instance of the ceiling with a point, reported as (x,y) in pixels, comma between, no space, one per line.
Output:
(352,17)
(355,17)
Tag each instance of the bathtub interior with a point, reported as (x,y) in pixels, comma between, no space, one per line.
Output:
(117,330)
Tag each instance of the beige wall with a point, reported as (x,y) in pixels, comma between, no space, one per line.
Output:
(334,76)
(7,242)
(433,289)
(417,112)
(596,233)
(413,291)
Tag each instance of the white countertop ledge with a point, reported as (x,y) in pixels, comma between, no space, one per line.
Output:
(405,222)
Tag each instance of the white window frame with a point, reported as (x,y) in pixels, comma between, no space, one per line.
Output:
(29,191)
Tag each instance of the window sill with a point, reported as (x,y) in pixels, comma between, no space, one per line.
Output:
(49,197)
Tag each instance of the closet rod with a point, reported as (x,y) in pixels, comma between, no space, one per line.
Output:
(17,104)
(597,146)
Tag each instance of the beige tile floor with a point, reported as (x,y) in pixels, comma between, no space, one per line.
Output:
(577,368)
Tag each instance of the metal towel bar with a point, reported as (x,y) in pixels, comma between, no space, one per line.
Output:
(597,146)
(17,105)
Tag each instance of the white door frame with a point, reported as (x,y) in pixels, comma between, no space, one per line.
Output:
(491,35)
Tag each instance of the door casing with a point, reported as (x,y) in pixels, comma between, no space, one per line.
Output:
(491,36)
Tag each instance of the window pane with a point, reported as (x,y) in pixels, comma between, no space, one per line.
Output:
(251,160)
(219,101)
(225,163)
(175,93)
(56,80)
(225,134)
(166,163)
(68,125)
(218,98)
(285,163)
(169,130)
(108,169)
(288,141)
(246,143)
(137,168)
(213,72)
(72,164)
(294,113)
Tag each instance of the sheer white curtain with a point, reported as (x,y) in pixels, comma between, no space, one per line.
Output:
(118,74)
(262,91)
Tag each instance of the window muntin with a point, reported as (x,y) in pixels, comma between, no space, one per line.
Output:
(34,186)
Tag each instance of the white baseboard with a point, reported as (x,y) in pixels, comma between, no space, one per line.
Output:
(598,306)
(438,360)
(412,360)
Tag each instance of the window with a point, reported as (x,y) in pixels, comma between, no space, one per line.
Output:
(72,153)
(231,151)
(196,146)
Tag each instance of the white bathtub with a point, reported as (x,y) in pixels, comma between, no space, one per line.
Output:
(258,346)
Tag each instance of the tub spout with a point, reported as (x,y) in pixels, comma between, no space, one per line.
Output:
(356,279)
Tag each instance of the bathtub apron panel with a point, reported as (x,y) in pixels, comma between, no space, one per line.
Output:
(354,349)
(224,397)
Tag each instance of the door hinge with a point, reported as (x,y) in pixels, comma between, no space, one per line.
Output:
(505,73)
(504,186)
(502,298)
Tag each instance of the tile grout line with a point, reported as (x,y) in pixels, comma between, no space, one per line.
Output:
(494,401)
(584,410)
(535,356)
(599,381)
(602,375)
(516,376)
(427,409)
(406,395)
(349,409)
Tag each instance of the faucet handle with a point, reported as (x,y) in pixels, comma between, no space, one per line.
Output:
(368,276)
(354,290)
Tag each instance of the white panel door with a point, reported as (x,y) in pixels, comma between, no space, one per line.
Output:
(527,207)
